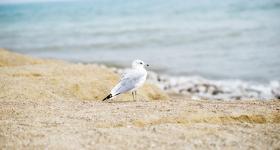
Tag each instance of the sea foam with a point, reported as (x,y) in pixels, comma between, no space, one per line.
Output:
(201,88)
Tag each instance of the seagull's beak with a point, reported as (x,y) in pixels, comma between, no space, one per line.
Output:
(147,65)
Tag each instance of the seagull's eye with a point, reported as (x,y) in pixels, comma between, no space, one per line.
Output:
(141,63)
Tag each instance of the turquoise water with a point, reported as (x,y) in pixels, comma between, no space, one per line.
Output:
(233,39)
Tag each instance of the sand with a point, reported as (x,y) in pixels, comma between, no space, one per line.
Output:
(23,77)
(56,105)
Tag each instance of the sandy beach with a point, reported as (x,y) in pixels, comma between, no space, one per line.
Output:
(52,104)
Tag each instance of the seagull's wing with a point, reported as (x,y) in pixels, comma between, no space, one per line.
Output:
(127,74)
(128,82)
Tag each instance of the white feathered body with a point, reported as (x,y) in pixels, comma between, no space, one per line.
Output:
(130,81)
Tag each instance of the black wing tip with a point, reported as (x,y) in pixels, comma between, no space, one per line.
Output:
(107,97)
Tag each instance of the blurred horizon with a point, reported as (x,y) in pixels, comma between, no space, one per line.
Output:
(28,1)
(232,39)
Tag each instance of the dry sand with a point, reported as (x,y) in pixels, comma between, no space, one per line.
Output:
(23,77)
(56,105)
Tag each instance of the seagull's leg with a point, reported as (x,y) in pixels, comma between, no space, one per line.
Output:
(133,95)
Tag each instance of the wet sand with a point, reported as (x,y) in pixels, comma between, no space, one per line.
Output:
(56,105)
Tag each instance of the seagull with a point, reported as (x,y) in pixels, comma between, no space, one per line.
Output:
(131,80)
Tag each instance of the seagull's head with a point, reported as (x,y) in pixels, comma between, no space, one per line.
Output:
(138,64)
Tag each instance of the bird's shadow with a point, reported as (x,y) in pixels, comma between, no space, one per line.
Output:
(118,102)
(121,102)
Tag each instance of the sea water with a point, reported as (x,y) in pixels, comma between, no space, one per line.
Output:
(213,39)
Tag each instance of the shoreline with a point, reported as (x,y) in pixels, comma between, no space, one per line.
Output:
(197,87)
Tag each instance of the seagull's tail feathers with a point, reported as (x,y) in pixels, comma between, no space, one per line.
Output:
(114,92)
(107,97)
(110,96)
